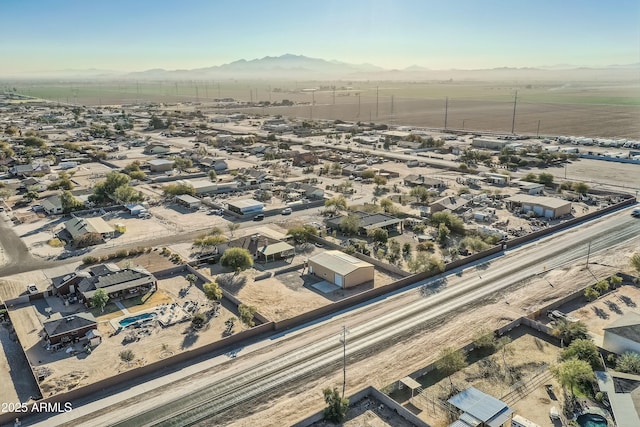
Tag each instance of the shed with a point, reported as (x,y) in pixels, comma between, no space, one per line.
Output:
(479,408)
(548,207)
(188,201)
(246,206)
(160,165)
(341,269)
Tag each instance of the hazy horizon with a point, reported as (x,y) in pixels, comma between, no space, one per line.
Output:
(45,37)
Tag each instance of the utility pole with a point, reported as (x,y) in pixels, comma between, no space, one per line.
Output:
(446,112)
(588,253)
(343,340)
(377,97)
(358,104)
(334,95)
(513,120)
(538,131)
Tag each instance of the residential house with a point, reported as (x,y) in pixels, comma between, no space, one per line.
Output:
(30,170)
(623,334)
(370,221)
(68,329)
(414,180)
(262,248)
(52,205)
(623,394)
(68,284)
(451,203)
(79,227)
(117,283)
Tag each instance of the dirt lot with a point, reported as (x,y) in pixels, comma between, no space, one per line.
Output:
(369,412)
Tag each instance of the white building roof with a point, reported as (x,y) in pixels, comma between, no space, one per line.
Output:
(548,202)
(339,262)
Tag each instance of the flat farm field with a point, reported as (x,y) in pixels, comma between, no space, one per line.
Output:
(593,109)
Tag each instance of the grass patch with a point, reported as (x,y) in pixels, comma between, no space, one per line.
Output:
(146,301)
(55,242)
(111,311)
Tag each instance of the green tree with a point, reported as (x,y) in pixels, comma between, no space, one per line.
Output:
(379,180)
(157,123)
(302,234)
(236,259)
(139,175)
(572,372)
(337,406)
(178,189)
(379,235)
(100,299)
(420,193)
(546,179)
(368,174)
(88,239)
(423,263)
(338,203)
(127,194)
(191,279)
(615,281)
(590,293)
(212,291)
(127,356)
(635,262)
(485,339)
(443,234)
(31,196)
(34,141)
(530,177)
(602,286)
(568,331)
(452,221)
(213,176)
(386,205)
(104,190)
(69,203)
(629,362)
(350,224)
(182,164)
(451,361)
(580,187)
(247,312)
(336,169)
(583,349)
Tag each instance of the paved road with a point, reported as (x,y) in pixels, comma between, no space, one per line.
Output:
(202,391)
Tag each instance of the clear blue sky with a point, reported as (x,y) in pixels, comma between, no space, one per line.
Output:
(43,35)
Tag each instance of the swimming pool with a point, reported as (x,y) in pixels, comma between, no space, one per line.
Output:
(140,317)
(591,420)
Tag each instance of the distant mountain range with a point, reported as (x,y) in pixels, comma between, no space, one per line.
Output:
(300,67)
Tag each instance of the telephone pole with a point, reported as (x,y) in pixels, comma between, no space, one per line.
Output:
(513,120)
(343,339)
(446,112)
(377,97)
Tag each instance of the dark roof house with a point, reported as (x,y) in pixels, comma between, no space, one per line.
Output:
(68,328)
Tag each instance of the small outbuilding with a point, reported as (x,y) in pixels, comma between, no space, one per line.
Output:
(480,409)
(341,269)
(623,335)
(246,206)
(548,207)
(188,201)
(160,165)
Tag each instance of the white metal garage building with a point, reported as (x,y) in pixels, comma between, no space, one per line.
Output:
(341,269)
(548,207)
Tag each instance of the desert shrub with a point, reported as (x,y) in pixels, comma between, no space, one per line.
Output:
(88,260)
(122,253)
(55,242)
